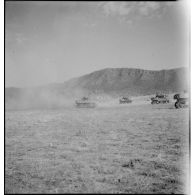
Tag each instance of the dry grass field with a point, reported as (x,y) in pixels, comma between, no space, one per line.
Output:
(118,149)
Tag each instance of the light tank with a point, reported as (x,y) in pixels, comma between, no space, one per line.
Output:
(159,99)
(125,100)
(181,102)
(85,103)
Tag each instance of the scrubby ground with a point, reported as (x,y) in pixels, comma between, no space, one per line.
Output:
(122,149)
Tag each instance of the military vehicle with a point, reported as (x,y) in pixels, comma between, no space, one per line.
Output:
(125,100)
(181,102)
(85,103)
(159,99)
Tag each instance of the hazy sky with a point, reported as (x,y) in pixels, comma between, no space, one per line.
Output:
(49,42)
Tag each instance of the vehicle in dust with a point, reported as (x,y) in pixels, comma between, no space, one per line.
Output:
(85,103)
(160,99)
(125,100)
(181,102)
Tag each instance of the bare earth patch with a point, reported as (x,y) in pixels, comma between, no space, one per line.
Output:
(127,149)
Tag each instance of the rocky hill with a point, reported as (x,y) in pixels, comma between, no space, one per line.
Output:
(112,82)
(133,81)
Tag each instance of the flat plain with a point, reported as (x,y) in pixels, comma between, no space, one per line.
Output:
(135,148)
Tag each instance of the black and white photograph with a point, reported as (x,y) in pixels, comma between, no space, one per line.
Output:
(97,97)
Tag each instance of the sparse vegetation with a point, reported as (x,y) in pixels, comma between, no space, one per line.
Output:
(124,149)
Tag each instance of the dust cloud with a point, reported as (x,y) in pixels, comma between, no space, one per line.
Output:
(37,99)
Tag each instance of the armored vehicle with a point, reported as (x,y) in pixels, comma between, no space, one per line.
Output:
(85,103)
(159,99)
(125,100)
(181,101)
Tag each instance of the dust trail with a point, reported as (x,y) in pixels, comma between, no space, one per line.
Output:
(37,98)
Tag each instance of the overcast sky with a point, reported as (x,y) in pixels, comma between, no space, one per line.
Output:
(49,42)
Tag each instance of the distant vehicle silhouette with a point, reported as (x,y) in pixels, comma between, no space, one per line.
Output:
(160,99)
(181,102)
(85,103)
(125,100)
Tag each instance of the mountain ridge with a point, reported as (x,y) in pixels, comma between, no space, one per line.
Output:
(111,79)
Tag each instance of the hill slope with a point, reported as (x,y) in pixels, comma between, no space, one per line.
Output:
(135,81)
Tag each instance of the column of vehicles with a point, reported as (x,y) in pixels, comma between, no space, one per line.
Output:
(181,101)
